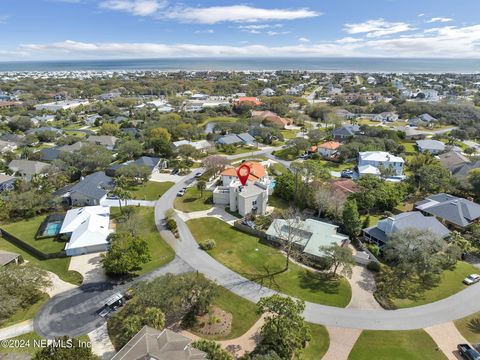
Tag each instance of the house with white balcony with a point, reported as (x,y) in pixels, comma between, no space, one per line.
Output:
(381,163)
(251,198)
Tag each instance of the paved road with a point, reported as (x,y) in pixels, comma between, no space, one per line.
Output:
(457,306)
(74,313)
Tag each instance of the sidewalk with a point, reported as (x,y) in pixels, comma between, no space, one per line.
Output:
(16,330)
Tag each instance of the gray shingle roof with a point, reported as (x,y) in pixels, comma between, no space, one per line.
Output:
(94,186)
(412,219)
(347,130)
(455,210)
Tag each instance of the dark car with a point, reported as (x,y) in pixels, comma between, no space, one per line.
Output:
(197,175)
(175,171)
(468,352)
(347,174)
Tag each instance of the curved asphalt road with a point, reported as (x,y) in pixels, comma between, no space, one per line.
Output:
(73,313)
(454,307)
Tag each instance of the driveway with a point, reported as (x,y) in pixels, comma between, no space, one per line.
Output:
(89,266)
(74,313)
(342,341)
(447,337)
(216,211)
(362,283)
(101,344)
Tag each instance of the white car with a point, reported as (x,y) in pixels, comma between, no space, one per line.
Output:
(471,279)
(181,192)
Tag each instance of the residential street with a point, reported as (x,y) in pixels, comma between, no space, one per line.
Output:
(79,305)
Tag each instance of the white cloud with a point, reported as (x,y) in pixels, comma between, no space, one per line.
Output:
(447,41)
(236,13)
(260,26)
(348,40)
(135,7)
(275,33)
(421,15)
(162,9)
(377,28)
(439,19)
(207,31)
(304,40)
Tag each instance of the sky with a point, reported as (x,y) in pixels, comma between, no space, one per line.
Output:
(110,29)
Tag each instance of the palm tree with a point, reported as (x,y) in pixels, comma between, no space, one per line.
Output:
(122,194)
(201,185)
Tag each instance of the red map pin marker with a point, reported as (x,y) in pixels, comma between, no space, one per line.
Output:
(243,172)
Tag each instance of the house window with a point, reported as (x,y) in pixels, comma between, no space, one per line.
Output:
(254,202)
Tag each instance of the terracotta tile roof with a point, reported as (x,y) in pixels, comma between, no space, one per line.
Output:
(257,171)
(253,100)
(346,186)
(331,145)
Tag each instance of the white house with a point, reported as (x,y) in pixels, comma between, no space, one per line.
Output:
(249,199)
(268,92)
(200,145)
(61,105)
(371,162)
(88,228)
(432,146)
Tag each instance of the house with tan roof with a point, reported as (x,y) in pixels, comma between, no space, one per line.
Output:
(271,118)
(250,198)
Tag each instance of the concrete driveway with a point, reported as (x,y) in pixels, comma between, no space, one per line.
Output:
(89,266)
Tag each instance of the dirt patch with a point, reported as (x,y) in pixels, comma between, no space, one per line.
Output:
(216,322)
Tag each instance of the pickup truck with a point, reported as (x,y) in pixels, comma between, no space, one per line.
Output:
(468,352)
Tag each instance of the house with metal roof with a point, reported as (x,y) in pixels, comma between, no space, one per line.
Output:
(307,235)
(385,228)
(452,210)
(372,162)
(88,229)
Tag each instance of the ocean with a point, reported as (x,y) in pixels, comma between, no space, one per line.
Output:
(385,65)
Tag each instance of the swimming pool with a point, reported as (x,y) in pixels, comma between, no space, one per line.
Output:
(52,229)
(272,184)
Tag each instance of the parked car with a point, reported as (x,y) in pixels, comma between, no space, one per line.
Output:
(468,352)
(181,192)
(347,174)
(175,171)
(471,279)
(197,175)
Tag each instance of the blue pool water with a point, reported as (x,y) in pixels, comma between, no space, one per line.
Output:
(53,229)
(272,184)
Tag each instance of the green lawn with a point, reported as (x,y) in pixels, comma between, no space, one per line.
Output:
(57,266)
(319,344)
(244,254)
(373,219)
(288,153)
(469,327)
(395,345)
(193,201)
(26,229)
(277,169)
(160,251)
(218,119)
(28,345)
(289,134)
(239,160)
(410,147)
(25,314)
(278,202)
(334,166)
(151,190)
(451,283)
(243,312)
